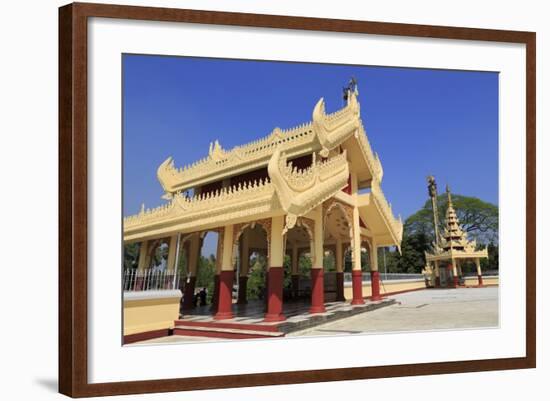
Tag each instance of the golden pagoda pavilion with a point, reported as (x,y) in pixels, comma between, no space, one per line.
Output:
(452,246)
(299,191)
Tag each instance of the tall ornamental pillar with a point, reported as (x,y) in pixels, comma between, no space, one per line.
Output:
(275,272)
(339,271)
(243,268)
(295,275)
(356,273)
(192,263)
(225,301)
(317,271)
(216,290)
(374,275)
(455,273)
(479,276)
(143,265)
(437,277)
(171,261)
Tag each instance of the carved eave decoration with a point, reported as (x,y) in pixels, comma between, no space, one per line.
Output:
(204,210)
(335,128)
(299,191)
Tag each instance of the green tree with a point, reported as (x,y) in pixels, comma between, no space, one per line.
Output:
(205,275)
(304,265)
(329,264)
(412,259)
(491,263)
(131,256)
(478,218)
(256,277)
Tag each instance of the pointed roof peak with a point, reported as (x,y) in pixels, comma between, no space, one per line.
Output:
(449,199)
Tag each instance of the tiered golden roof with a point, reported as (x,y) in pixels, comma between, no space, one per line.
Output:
(339,147)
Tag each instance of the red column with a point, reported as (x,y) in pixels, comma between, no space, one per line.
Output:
(340,287)
(317,290)
(216,294)
(480,281)
(225,300)
(295,285)
(274,295)
(188,293)
(437,282)
(357,287)
(375,286)
(243,281)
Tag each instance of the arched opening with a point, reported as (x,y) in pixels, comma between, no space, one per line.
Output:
(338,237)
(197,267)
(251,260)
(159,256)
(298,263)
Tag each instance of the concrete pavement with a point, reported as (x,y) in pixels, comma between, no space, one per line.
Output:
(433,309)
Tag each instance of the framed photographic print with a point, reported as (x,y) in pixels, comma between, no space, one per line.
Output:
(255,199)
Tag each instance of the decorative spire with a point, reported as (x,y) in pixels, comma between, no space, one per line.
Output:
(449,200)
(454,237)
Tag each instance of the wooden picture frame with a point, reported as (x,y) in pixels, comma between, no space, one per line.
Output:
(73,198)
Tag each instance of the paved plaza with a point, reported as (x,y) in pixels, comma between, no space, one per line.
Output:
(435,309)
(431,309)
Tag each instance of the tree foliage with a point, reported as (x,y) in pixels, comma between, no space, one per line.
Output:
(131,255)
(256,277)
(478,219)
(206,271)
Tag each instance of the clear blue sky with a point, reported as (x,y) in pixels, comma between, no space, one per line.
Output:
(419,121)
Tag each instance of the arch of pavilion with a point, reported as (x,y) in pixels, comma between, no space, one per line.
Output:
(298,191)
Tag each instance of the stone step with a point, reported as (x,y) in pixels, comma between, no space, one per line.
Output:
(229,325)
(220,332)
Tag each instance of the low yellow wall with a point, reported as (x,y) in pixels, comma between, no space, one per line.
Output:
(150,310)
(487,280)
(386,287)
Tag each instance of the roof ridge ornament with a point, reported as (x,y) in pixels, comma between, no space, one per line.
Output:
(215,151)
(351,88)
(333,129)
(299,192)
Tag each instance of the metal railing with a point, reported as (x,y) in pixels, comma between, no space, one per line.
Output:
(387,276)
(149,280)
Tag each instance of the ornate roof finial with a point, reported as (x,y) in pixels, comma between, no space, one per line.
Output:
(449,200)
(350,89)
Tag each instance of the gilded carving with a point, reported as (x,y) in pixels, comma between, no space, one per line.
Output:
(299,191)
(288,190)
(333,129)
